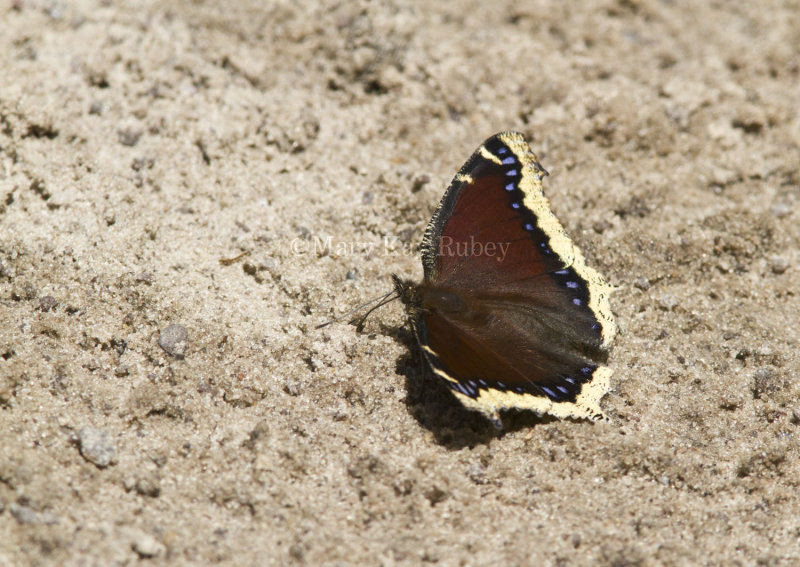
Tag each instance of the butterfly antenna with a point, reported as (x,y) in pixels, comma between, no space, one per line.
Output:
(378,301)
(388,298)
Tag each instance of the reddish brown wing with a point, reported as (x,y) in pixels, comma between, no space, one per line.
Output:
(531,320)
(482,232)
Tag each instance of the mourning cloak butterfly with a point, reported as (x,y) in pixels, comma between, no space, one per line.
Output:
(508,314)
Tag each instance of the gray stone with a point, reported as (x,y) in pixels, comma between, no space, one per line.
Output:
(27,515)
(779,265)
(47,303)
(174,340)
(96,447)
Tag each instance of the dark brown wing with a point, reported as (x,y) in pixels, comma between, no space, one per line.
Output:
(503,352)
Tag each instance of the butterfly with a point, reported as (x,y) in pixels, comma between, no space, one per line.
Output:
(508,314)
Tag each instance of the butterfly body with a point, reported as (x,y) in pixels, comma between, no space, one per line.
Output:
(508,313)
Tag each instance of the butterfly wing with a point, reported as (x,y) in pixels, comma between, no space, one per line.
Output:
(485,354)
(509,314)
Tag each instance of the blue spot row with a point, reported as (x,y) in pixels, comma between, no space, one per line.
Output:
(558,392)
(464,389)
(511,161)
(512,168)
(469,388)
(570,280)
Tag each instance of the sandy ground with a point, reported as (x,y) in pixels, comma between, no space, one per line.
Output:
(160,405)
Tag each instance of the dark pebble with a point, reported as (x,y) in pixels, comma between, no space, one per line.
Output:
(764,381)
(601,226)
(129,137)
(149,486)
(419,182)
(47,302)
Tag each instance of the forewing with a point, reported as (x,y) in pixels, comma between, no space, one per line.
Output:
(494,232)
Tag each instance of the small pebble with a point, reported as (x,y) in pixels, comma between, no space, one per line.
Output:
(174,340)
(764,351)
(120,345)
(642,283)
(149,486)
(293,387)
(763,381)
(27,515)
(731,401)
(146,545)
(667,302)
(419,182)
(576,540)
(779,265)
(96,447)
(763,373)
(268,264)
(780,210)
(601,226)
(476,473)
(23,514)
(47,303)
(129,137)
(340,412)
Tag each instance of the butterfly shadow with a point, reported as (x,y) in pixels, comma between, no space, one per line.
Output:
(433,406)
